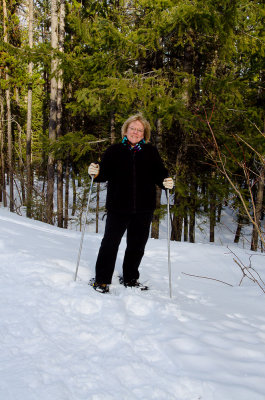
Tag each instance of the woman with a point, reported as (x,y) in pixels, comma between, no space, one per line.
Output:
(132,169)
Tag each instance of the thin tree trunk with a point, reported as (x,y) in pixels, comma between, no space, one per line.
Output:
(66,200)
(10,149)
(258,207)
(192,212)
(2,166)
(204,189)
(176,231)
(112,140)
(29,116)
(60,117)
(192,226)
(188,59)
(20,155)
(60,216)
(219,211)
(45,120)
(212,215)
(53,112)
(74,194)
(155,221)
(239,228)
(177,221)
(68,127)
(185,225)
(9,123)
(178,217)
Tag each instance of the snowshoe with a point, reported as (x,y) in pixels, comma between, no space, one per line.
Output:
(99,287)
(133,283)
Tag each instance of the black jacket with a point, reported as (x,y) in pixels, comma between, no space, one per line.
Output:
(132,178)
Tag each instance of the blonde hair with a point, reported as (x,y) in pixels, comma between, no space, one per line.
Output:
(137,117)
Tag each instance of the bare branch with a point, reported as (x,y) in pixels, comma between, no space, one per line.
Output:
(248,272)
(206,277)
(220,165)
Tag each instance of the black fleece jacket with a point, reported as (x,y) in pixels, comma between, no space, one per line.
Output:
(132,177)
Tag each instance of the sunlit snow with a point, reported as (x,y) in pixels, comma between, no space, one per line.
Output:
(61,340)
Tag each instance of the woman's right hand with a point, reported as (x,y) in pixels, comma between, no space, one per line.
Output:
(93,170)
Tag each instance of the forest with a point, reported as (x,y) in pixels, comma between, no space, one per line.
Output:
(72,71)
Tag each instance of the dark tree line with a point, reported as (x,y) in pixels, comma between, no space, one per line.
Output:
(71,72)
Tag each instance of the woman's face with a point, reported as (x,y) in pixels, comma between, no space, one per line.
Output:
(135,132)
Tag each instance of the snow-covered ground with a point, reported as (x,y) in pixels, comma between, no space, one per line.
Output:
(61,340)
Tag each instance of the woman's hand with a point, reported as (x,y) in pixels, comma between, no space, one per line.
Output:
(93,170)
(168,183)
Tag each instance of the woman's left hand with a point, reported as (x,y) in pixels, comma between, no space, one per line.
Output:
(168,183)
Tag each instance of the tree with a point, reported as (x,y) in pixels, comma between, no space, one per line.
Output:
(155,221)
(258,208)
(8,118)
(29,113)
(53,110)
(2,166)
(61,30)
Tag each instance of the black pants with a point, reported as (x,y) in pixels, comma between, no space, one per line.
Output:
(138,226)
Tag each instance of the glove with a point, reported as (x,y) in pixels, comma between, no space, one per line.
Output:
(168,183)
(93,169)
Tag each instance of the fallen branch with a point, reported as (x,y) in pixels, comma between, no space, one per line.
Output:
(206,277)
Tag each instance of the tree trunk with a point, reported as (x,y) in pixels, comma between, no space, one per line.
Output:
(45,119)
(10,149)
(204,190)
(60,117)
(29,116)
(155,221)
(212,215)
(192,226)
(192,211)
(60,216)
(185,225)
(239,228)
(258,207)
(66,200)
(219,211)
(74,194)
(53,113)
(9,123)
(2,166)
(20,153)
(177,223)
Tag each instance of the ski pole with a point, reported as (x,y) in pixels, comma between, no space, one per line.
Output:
(84,227)
(168,245)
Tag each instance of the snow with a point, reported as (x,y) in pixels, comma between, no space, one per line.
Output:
(61,340)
